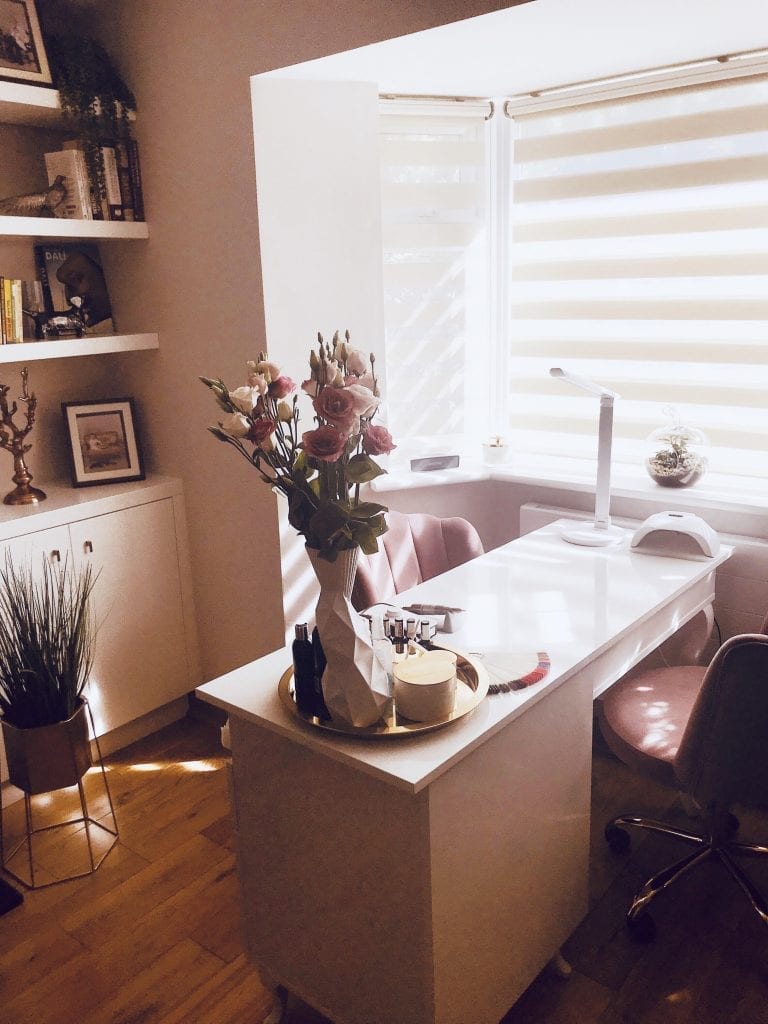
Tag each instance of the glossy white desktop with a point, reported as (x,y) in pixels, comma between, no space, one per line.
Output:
(428,880)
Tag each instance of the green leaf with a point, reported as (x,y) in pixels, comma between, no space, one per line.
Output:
(300,510)
(365,537)
(367,510)
(361,469)
(328,523)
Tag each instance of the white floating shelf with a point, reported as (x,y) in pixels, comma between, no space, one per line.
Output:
(29,104)
(67,348)
(58,227)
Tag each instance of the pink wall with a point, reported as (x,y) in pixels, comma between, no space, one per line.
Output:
(197,280)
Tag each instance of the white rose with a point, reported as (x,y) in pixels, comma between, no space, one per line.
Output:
(235,424)
(366,403)
(244,399)
(357,362)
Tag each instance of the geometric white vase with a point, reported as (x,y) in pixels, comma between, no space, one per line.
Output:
(356,687)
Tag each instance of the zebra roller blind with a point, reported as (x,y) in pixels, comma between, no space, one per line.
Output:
(639,259)
(434,207)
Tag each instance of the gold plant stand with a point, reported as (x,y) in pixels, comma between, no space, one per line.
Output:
(27,874)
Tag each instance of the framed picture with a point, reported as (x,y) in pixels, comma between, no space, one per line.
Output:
(102,441)
(22,51)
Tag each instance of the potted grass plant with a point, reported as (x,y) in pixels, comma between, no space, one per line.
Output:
(47,637)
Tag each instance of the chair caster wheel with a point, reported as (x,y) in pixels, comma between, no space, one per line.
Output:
(618,840)
(642,927)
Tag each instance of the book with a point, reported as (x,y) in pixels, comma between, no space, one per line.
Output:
(72,278)
(112,183)
(99,209)
(70,164)
(18,311)
(124,177)
(10,302)
(135,169)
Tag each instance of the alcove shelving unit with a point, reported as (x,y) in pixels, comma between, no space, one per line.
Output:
(36,106)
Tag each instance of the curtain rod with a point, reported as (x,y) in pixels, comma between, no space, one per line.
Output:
(721,66)
(395,97)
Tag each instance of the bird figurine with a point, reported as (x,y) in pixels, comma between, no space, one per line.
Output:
(35,204)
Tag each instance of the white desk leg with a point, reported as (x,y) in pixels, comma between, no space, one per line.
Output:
(560,966)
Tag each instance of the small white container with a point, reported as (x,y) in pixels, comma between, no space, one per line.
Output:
(425,687)
(495,452)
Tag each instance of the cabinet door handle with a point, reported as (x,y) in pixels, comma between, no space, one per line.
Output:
(88,546)
(55,555)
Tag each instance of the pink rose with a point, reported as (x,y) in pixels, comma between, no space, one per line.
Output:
(339,406)
(366,381)
(260,431)
(280,387)
(325,443)
(366,403)
(377,441)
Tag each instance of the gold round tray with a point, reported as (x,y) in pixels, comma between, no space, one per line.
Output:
(471,689)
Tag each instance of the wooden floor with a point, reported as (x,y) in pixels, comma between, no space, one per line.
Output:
(153,937)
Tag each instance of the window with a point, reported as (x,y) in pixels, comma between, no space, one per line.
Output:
(639,258)
(436,272)
(625,239)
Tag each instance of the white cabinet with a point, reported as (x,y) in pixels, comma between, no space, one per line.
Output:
(141,658)
(134,536)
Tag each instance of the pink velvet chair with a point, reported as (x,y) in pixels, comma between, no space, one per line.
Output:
(416,547)
(703,731)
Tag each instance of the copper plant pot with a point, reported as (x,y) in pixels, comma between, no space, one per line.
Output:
(48,757)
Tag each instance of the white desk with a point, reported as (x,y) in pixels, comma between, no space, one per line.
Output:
(428,880)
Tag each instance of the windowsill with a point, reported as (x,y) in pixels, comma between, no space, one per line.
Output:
(744,495)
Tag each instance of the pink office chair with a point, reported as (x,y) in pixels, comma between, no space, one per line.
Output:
(702,730)
(416,547)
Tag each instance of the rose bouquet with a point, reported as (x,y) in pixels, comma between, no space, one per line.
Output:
(320,470)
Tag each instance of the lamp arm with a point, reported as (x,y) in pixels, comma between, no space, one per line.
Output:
(603,485)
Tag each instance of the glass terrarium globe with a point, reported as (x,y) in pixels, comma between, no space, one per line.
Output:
(676,455)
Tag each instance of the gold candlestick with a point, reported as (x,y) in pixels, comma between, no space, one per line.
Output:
(12,440)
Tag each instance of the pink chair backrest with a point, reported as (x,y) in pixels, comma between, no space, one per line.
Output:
(416,547)
(723,753)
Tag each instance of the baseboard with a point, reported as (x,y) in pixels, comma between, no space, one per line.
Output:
(143,726)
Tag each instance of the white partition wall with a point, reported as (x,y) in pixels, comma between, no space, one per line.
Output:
(318,191)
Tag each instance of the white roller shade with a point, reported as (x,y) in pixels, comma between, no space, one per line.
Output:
(434,209)
(639,259)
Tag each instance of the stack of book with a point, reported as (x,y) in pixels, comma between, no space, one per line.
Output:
(123,199)
(11,317)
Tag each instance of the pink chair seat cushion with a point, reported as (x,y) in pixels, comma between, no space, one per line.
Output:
(643,718)
(416,547)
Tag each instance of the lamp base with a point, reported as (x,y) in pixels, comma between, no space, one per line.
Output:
(593,536)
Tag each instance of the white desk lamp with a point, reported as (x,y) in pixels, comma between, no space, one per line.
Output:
(599,533)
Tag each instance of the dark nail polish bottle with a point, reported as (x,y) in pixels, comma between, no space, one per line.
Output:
(303,670)
(319,654)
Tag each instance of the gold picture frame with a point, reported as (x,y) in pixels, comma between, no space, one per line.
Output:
(22,50)
(102,442)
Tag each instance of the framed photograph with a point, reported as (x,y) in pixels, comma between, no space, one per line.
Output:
(102,441)
(22,51)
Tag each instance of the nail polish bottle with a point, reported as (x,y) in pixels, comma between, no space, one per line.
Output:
(303,670)
(319,655)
